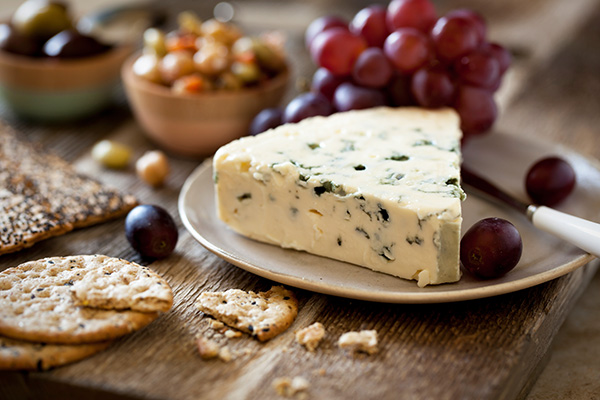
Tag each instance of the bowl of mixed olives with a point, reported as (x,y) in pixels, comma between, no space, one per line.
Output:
(49,70)
(199,86)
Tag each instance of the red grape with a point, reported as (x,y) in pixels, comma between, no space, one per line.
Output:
(454,37)
(322,24)
(476,108)
(491,248)
(151,231)
(475,17)
(325,82)
(418,14)
(351,97)
(370,24)
(399,92)
(268,118)
(372,68)
(407,49)
(500,54)
(432,87)
(550,180)
(478,68)
(337,49)
(306,105)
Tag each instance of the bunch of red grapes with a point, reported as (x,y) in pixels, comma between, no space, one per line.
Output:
(402,55)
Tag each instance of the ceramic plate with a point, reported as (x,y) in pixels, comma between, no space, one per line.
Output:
(501,158)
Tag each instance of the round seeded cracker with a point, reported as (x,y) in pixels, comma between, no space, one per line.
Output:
(22,355)
(37,304)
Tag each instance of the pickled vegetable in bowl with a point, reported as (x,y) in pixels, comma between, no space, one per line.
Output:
(196,88)
(208,56)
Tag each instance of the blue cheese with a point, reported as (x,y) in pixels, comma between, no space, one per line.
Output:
(377,188)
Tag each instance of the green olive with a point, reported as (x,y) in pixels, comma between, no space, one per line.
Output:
(246,72)
(41,18)
(154,42)
(111,154)
(268,58)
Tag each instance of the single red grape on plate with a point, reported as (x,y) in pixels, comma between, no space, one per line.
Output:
(491,248)
(550,180)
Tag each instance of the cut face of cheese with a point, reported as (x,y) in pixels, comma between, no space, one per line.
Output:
(377,188)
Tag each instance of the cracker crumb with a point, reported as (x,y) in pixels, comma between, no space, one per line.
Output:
(289,387)
(225,354)
(311,336)
(320,372)
(230,334)
(216,324)
(364,341)
(207,348)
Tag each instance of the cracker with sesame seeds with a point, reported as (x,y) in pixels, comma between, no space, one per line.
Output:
(22,355)
(116,284)
(42,196)
(263,315)
(37,303)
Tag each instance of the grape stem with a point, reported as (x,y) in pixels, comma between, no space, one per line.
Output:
(577,231)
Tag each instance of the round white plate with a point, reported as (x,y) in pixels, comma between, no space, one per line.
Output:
(504,159)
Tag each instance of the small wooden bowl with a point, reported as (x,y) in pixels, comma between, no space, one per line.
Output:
(58,89)
(196,125)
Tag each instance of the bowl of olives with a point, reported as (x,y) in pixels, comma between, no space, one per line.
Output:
(49,70)
(199,86)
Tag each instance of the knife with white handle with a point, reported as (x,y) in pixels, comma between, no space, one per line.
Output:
(577,231)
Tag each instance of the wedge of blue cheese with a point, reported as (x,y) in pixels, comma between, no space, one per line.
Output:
(377,188)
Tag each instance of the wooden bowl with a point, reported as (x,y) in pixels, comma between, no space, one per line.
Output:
(196,125)
(58,89)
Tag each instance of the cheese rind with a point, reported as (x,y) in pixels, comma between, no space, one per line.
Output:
(378,188)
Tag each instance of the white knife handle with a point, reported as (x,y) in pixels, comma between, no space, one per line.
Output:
(578,231)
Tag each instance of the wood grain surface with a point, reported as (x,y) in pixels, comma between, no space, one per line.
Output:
(482,349)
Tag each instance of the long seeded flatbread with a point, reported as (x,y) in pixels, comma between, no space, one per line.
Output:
(42,196)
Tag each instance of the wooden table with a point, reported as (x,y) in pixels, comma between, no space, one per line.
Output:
(491,348)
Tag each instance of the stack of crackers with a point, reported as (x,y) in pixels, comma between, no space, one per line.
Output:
(61,309)
(42,195)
